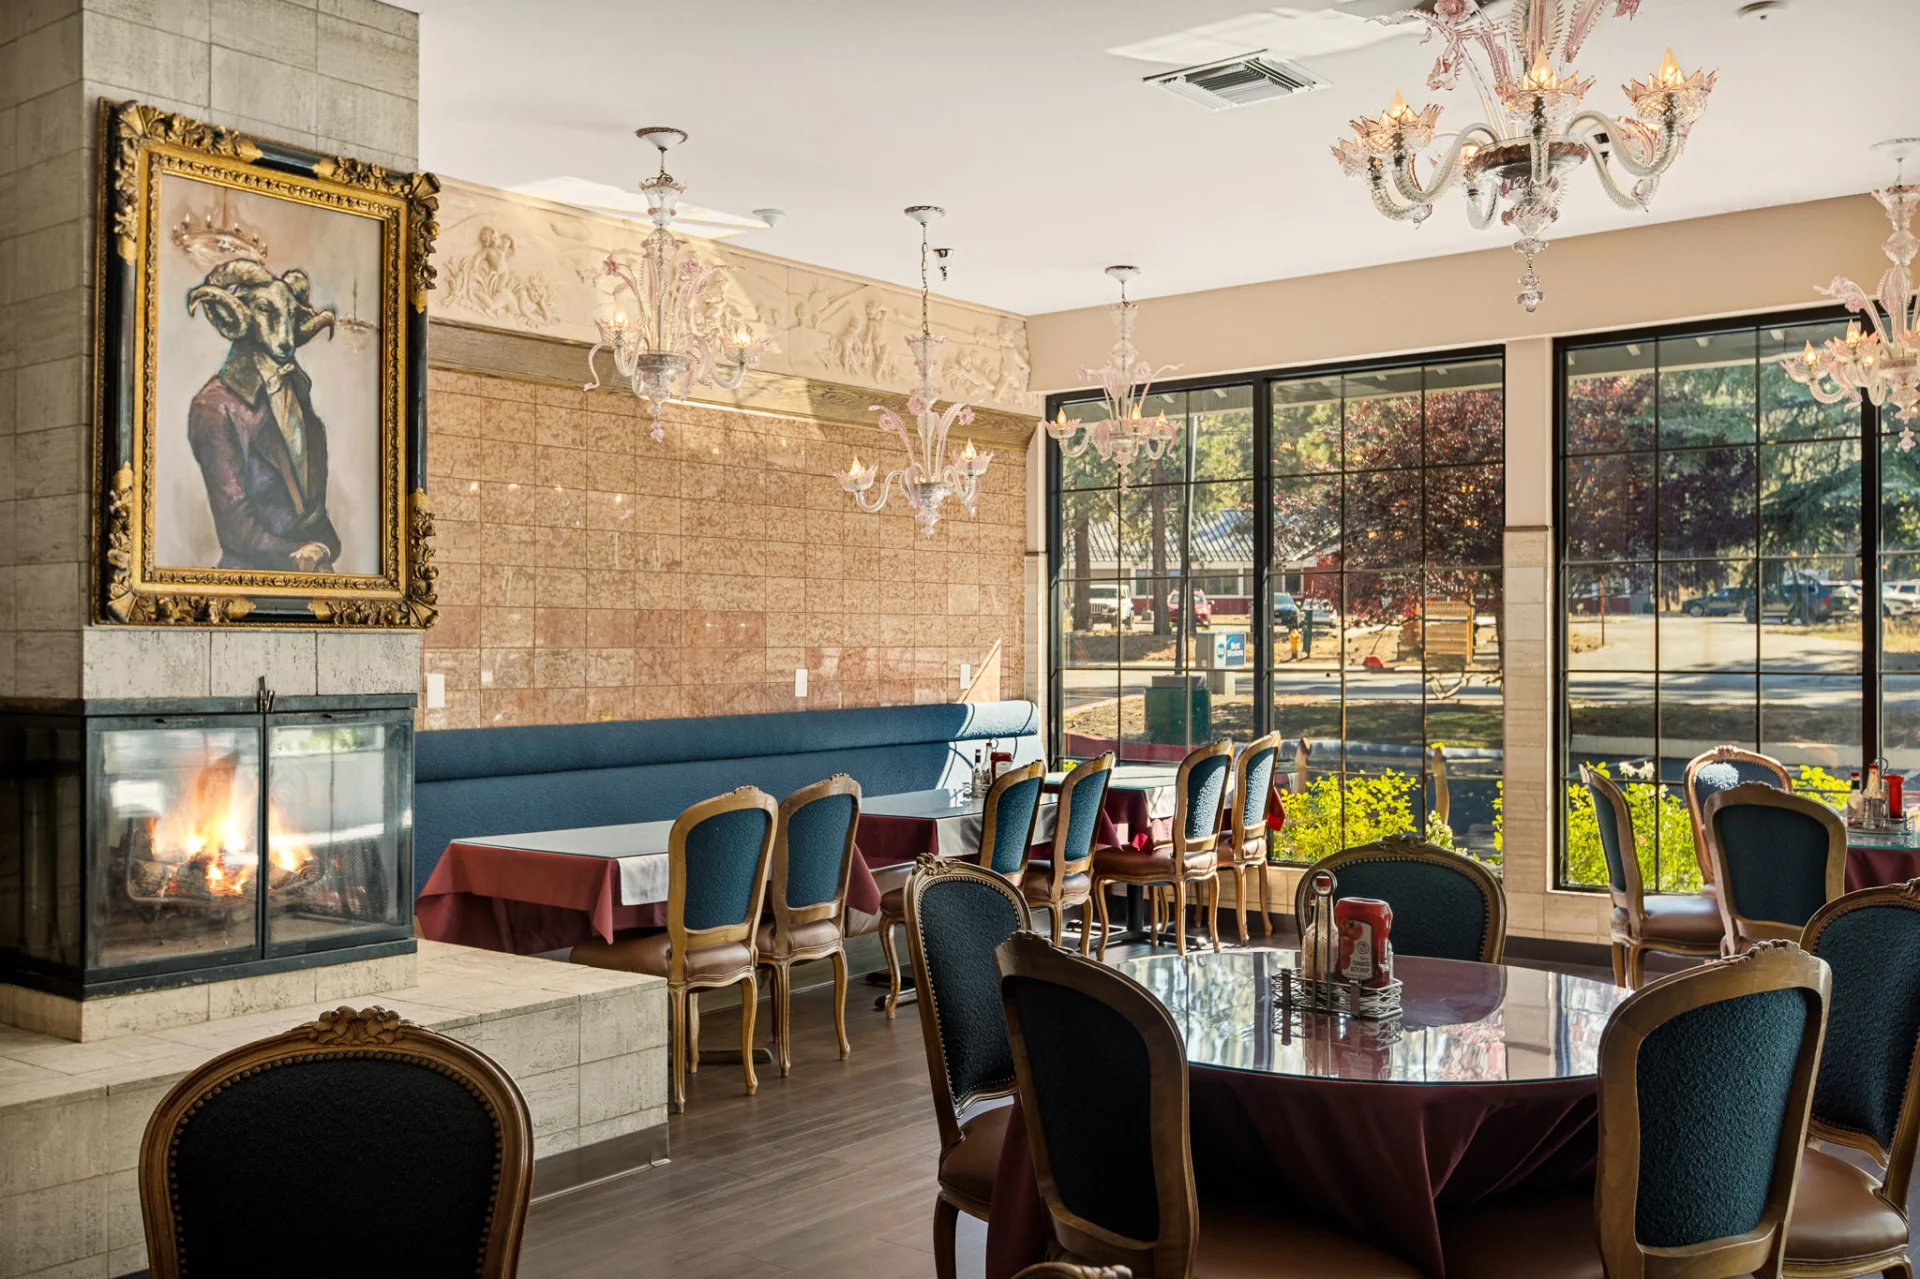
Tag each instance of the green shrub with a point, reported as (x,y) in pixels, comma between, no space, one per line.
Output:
(1374,807)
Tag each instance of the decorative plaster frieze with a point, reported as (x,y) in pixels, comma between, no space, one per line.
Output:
(532,266)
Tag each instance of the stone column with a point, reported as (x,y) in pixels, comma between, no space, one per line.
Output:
(334,75)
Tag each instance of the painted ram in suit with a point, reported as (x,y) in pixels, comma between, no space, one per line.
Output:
(261,448)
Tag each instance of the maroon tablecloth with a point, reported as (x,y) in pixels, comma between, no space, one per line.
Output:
(527,902)
(1875,867)
(1380,1159)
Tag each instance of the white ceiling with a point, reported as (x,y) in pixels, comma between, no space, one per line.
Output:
(1053,159)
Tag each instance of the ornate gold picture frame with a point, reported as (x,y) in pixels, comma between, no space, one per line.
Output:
(260,381)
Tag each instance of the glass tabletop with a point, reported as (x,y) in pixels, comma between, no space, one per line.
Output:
(1463,1022)
(1898,839)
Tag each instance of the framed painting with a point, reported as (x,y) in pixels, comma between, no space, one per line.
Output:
(260,381)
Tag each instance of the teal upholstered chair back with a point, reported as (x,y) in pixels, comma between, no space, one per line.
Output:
(1103,1084)
(1252,799)
(1866,1094)
(1617,844)
(1202,791)
(1777,857)
(819,845)
(719,853)
(956,914)
(1725,774)
(1011,809)
(1445,906)
(1705,1082)
(1083,794)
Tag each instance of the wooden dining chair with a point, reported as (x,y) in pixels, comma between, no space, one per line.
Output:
(340,1115)
(1671,923)
(1847,1221)
(1102,1077)
(1245,852)
(1007,818)
(1189,859)
(1706,1079)
(1722,769)
(717,855)
(1777,858)
(1065,878)
(1445,905)
(813,856)
(956,914)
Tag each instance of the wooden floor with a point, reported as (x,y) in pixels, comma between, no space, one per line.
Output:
(826,1174)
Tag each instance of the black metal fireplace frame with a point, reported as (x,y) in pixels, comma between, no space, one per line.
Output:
(94,718)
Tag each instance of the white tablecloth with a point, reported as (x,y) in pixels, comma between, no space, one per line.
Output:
(957,825)
(639,847)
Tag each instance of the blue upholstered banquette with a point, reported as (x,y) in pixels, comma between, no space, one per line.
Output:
(506,781)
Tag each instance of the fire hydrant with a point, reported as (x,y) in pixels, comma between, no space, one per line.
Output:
(1293,644)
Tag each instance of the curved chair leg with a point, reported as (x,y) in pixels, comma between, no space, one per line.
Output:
(1266,901)
(1100,906)
(893,966)
(1086,926)
(1180,916)
(693,1032)
(840,1000)
(1213,914)
(677,1013)
(1899,1270)
(782,1008)
(1239,899)
(749,1004)
(1059,924)
(1636,966)
(945,1218)
(1619,964)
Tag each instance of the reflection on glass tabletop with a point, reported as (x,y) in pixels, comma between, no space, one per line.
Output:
(1462,1022)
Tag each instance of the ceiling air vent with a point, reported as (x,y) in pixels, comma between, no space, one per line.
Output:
(1239,82)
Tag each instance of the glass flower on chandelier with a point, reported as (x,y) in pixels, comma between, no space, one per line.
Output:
(1125,434)
(1884,363)
(926,481)
(1534,133)
(668,344)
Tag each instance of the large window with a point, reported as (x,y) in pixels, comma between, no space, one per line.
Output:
(1319,556)
(1714,585)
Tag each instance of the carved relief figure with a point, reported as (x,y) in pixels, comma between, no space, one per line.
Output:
(261,447)
(968,376)
(861,349)
(1015,367)
(484,282)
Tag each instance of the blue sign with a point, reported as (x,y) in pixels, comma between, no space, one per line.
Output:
(1230,649)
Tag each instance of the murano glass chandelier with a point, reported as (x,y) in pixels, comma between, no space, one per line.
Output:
(927,480)
(1534,132)
(1883,364)
(670,342)
(1126,433)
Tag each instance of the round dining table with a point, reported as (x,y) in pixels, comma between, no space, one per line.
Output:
(1485,1085)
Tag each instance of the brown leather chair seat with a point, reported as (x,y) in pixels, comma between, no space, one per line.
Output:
(806,936)
(893,903)
(1693,918)
(1540,1237)
(1037,883)
(1836,1215)
(1133,861)
(1238,1243)
(647,953)
(968,1168)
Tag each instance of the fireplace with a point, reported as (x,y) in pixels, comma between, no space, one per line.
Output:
(151,844)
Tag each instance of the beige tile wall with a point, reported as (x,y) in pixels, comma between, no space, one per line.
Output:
(588,573)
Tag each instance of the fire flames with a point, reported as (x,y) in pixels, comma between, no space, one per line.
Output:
(203,846)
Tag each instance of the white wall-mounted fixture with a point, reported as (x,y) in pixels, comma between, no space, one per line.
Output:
(436,691)
(800,681)
(966,676)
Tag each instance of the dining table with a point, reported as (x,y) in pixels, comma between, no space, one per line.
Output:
(1487,1083)
(1879,857)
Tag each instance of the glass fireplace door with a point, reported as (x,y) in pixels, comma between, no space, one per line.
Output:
(181,821)
(339,846)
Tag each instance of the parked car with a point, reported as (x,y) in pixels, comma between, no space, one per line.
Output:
(1285,611)
(1322,613)
(1108,604)
(1724,602)
(1202,614)
(1803,599)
